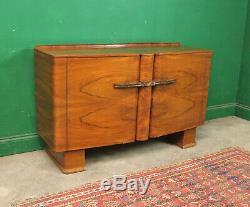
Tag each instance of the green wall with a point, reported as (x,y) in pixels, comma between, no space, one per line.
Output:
(214,24)
(243,106)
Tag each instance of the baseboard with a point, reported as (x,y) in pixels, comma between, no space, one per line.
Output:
(31,141)
(20,143)
(222,110)
(242,111)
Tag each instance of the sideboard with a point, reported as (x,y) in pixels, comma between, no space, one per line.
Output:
(99,95)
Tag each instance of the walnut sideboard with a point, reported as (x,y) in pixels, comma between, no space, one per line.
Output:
(98,95)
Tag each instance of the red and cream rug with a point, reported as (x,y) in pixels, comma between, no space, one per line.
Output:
(219,179)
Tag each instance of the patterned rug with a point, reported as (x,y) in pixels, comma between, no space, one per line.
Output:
(219,179)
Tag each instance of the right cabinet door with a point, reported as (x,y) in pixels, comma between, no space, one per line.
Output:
(180,105)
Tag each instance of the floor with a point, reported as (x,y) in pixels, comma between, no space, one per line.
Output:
(34,174)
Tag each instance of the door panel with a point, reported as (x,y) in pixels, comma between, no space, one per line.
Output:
(180,105)
(99,114)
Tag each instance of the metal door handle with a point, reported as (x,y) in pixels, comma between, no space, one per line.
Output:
(144,84)
(129,85)
(163,82)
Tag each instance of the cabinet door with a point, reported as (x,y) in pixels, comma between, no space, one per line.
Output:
(98,114)
(180,105)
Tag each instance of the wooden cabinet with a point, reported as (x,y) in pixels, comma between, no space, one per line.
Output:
(99,95)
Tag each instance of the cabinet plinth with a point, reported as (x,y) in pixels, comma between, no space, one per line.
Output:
(99,95)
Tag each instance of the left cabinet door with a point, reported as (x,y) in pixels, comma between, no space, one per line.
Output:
(97,113)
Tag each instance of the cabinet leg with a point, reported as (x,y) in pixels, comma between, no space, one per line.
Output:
(186,138)
(69,161)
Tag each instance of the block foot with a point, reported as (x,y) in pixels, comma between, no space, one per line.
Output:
(186,138)
(69,161)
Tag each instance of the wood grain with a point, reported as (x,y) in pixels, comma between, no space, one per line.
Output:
(99,114)
(50,83)
(144,98)
(179,106)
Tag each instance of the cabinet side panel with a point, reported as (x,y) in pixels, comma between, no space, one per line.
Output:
(206,81)
(50,95)
(44,98)
(60,103)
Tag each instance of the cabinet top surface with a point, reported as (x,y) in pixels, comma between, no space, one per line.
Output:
(116,50)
